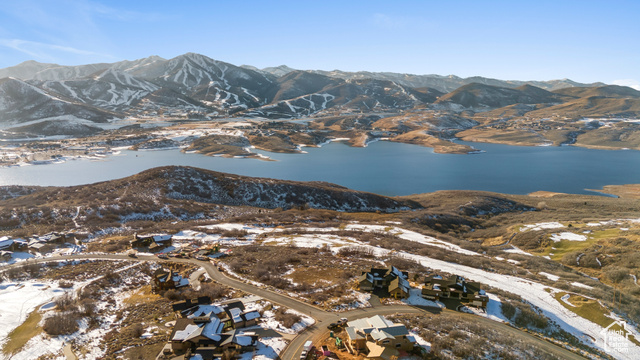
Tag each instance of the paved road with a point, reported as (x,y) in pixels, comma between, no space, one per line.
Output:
(319,330)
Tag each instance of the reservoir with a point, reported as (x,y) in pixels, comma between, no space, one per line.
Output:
(383,167)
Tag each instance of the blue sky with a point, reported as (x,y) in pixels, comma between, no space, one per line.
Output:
(539,40)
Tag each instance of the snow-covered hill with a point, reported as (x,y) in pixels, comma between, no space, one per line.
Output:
(196,86)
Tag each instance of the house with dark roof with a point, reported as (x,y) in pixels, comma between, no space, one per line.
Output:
(8,244)
(189,334)
(164,279)
(190,303)
(232,315)
(454,287)
(151,242)
(391,280)
(378,338)
(201,330)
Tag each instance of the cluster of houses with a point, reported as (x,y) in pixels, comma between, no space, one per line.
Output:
(162,243)
(394,283)
(35,244)
(209,330)
(378,338)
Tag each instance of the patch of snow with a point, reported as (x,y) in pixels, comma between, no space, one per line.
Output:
(568,236)
(549,276)
(565,299)
(580,285)
(541,226)
(20,299)
(415,298)
(515,250)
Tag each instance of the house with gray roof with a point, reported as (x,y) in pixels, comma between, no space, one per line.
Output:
(378,338)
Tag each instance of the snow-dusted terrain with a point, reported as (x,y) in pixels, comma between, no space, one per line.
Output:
(539,295)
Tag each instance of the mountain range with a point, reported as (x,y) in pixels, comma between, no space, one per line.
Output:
(34,96)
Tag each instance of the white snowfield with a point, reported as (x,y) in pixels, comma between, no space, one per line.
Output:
(20,299)
(568,236)
(535,293)
(541,226)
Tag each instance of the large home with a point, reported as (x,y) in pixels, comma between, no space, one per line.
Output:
(8,244)
(164,279)
(207,330)
(152,242)
(390,279)
(378,338)
(233,315)
(45,243)
(454,287)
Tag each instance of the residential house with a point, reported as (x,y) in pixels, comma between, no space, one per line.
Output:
(241,342)
(233,315)
(164,279)
(201,331)
(378,338)
(454,287)
(187,334)
(152,242)
(390,280)
(5,255)
(190,303)
(8,244)
(38,245)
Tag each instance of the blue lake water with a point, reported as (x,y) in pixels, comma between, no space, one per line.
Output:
(382,167)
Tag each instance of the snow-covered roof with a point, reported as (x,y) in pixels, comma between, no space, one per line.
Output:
(213,329)
(380,335)
(235,315)
(5,243)
(204,310)
(243,340)
(182,282)
(252,315)
(161,238)
(181,335)
(353,335)
(374,322)
(378,321)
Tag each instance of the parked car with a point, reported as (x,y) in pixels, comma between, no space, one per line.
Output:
(342,321)
(162,256)
(132,255)
(333,326)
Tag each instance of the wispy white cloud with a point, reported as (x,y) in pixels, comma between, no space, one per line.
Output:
(44,51)
(635,84)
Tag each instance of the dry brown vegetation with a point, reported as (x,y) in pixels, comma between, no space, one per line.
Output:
(309,270)
(461,338)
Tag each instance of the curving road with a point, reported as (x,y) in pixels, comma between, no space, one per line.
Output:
(319,330)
